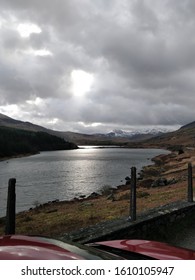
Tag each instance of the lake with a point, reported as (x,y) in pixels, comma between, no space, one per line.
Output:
(67,174)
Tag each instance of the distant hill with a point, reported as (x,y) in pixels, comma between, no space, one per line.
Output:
(15,142)
(73,137)
(181,138)
(115,137)
(185,136)
(29,138)
(112,138)
(188,126)
(9,122)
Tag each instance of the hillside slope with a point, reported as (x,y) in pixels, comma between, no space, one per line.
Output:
(181,138)
(15,142)
(12,123)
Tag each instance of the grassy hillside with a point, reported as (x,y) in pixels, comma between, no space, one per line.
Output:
(14,142)
(175,141)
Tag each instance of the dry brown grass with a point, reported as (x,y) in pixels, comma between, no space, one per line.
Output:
(63,217)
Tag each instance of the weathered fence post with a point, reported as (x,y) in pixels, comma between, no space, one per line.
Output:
(133,195)
(190,183)
(11,207)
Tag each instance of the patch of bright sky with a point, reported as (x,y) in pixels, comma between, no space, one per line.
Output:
(53,121)
(41,52)
(95,124)
(37,101)
(11,110)
(26,29)
(21,112)
(81,82)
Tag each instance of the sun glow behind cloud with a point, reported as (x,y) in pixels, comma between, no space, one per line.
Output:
(81,82)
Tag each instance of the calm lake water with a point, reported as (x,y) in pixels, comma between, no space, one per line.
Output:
(64,175)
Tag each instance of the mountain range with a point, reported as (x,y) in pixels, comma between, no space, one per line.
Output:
(184,136)
(113,137)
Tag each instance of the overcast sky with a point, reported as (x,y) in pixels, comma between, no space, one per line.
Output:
(98,65)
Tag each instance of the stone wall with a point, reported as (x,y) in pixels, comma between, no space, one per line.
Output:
(157,224)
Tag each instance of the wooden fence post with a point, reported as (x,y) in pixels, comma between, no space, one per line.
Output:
(11,207)
(133,195)
(190,183)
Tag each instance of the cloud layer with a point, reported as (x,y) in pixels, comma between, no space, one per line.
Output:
(139,54)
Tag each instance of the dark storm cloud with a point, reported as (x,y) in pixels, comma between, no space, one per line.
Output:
(140,53)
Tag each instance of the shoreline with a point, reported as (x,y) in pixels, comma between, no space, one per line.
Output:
(18,156)
(90,146)
(59,217)
(94,194)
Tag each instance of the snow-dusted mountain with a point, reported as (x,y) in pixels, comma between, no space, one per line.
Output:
(133,133)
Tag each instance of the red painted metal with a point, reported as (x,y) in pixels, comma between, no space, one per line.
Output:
(158,250)
(19,247)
